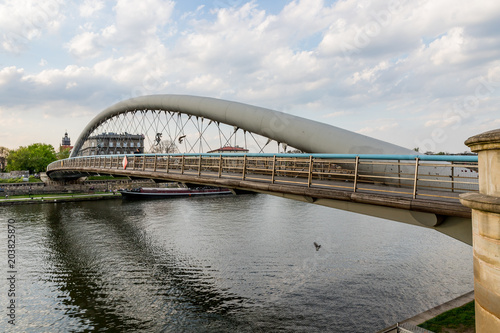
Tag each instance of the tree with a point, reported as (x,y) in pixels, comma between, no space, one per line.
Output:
(64,153)
(164,147)
(34,158)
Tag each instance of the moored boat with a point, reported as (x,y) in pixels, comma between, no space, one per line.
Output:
(153,192)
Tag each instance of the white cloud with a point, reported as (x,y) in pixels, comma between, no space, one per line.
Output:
(85,45)
(337,114)
(136,26)
(449,48)
(368,74)
(71,84)
(10,74)
(408,65)
(23,125)
(381,128)
(22,21)
(205,83)
(90,7)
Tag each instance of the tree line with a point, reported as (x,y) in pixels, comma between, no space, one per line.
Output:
(33,158)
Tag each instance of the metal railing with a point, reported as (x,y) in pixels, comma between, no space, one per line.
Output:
(404,328)
(412,175)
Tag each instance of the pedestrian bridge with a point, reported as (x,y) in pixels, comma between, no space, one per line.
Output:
(311,161)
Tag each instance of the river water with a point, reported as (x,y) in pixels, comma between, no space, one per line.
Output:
(242,263)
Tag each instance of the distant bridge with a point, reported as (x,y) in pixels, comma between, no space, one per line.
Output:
(312,162)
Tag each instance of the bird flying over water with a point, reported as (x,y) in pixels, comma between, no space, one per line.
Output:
(317,246)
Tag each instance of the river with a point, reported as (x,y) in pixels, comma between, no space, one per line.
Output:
(242,263)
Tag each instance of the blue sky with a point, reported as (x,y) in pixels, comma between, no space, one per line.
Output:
(419,74)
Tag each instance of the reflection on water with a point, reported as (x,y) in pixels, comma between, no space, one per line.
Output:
(223,264)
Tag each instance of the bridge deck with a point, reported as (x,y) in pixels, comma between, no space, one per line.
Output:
(309,178)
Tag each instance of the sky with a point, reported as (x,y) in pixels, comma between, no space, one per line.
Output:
(420,74)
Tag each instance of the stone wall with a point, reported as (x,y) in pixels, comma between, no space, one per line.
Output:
(14,174)
(72,187)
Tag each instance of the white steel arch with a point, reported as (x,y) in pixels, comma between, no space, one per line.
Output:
(304,134)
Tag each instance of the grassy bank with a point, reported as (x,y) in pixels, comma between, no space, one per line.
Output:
(459,320)
(55,195)
(59,197)
(31,179)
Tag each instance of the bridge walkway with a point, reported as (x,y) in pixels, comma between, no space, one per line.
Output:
(306,178)
(430,201)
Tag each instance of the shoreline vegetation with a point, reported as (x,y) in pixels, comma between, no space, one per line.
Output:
(458,320)
(58,197)
(31,179)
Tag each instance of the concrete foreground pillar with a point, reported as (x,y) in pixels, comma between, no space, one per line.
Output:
(486,230)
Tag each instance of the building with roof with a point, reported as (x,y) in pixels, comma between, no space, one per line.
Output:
(229,149)
(113,143)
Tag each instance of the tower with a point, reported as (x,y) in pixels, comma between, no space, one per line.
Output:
(66,142)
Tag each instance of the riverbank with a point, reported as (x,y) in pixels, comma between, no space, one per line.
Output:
(71,187)
(57,198)
(412,324)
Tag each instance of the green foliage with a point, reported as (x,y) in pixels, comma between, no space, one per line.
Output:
(32,179)
(63,154)
(460,319)
(34,158)
(12,180)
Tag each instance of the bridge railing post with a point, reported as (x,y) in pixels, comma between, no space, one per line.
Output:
(199,165)
(182,164)
(485,207)
(399,173)
(415,180)
(452,177)
(220,166)
(244,167)
(168,163)
(155,162)
(356,171)
(273,174)
(311,168)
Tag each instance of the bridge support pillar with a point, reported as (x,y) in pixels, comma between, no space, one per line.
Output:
(486,230)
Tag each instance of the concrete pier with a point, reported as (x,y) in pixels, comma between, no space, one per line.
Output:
(485,207)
